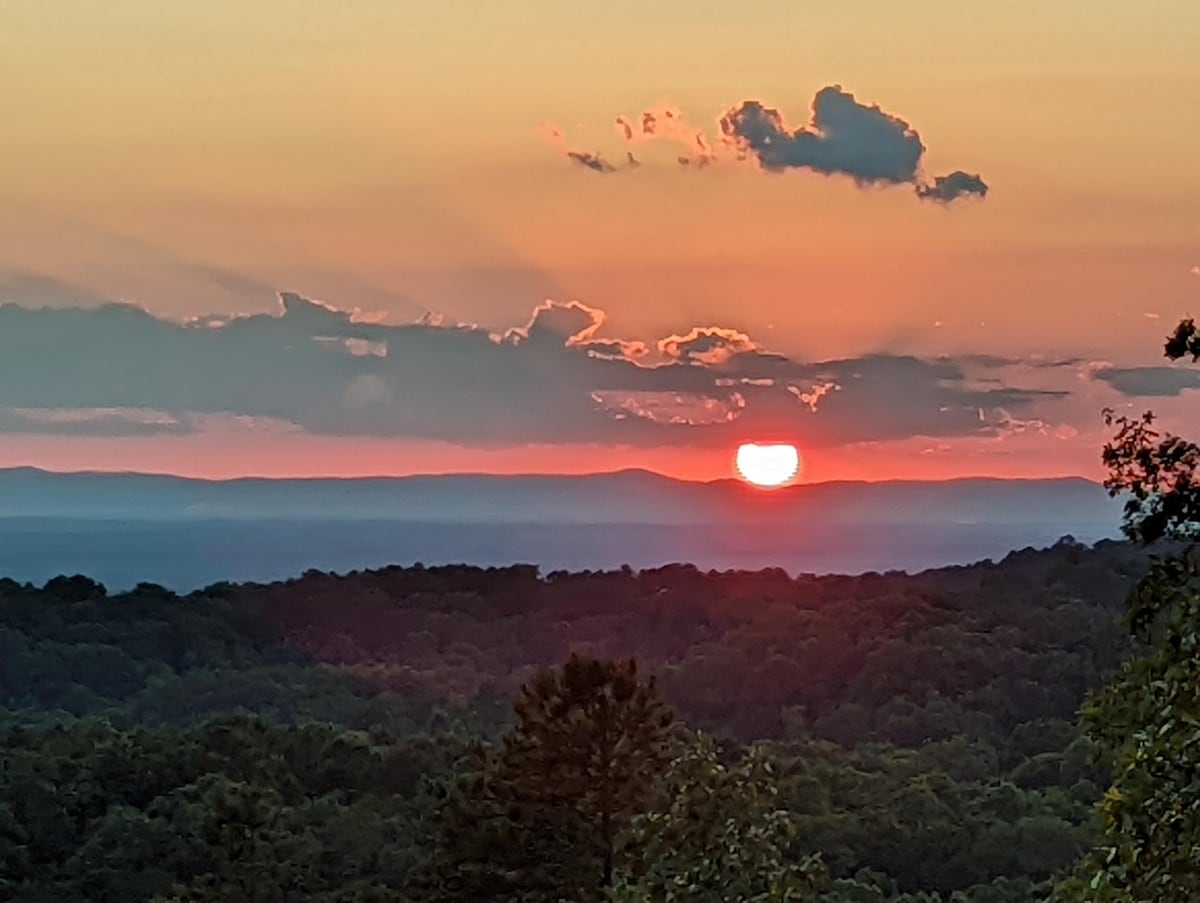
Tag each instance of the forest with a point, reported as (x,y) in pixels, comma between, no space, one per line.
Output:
(921,728)
(458,733)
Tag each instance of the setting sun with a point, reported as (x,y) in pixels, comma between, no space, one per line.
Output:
(767,465)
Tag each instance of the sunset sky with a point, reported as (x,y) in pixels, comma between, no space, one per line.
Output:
(398,237)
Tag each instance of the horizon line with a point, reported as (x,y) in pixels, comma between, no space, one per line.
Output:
(535,475)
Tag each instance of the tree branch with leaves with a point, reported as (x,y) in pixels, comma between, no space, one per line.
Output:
(1147,721)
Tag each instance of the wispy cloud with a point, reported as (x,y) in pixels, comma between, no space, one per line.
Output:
(587,159)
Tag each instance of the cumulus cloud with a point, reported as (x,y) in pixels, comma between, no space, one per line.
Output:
(119,370)
(842,137)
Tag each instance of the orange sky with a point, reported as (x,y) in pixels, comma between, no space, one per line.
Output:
(197,158)
(222,456)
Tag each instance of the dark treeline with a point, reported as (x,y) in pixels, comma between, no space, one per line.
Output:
(300,740)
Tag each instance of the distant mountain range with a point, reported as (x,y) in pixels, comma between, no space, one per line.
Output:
(624,497)
(126,528)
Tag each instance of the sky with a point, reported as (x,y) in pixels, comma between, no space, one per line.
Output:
(300,238)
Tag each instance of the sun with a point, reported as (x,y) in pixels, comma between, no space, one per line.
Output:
(768,465)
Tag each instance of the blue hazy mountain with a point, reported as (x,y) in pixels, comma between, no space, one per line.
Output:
(630,496)
(186,533)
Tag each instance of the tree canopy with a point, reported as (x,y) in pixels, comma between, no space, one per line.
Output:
(1147,721)
(547,815)
(920,729)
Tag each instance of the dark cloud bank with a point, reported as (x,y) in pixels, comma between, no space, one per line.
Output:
(843,137)
(118,370)
(1149,381)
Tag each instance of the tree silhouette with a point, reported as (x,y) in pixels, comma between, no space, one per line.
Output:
(1160,471)
(1183,341)
(547,815)
(1148,720)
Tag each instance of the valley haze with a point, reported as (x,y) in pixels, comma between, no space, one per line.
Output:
(125,528)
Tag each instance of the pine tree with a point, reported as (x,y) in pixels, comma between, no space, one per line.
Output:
(546,816)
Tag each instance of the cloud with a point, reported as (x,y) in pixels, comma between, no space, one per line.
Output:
(957,184)
(591,161)
(572,323)
(1008,425)
(120,422)
(1148,381)
(666,123)
(812,397)
(842,137)
(309,367)
(673,408)
(586,159)
(712,346)
(110,421)
(39,289)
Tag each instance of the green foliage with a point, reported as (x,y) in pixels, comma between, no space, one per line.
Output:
(937,819)
(1147,721)
(1161,475)
(236,808)
(548,814)
(918,727)
(720,833)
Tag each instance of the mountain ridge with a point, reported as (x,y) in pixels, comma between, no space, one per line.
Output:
(631,496)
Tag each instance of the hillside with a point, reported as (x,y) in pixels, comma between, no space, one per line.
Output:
(923,726)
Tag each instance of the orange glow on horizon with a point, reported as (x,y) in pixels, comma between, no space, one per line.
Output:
(227,455)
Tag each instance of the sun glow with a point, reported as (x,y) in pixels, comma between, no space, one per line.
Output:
(768,465)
